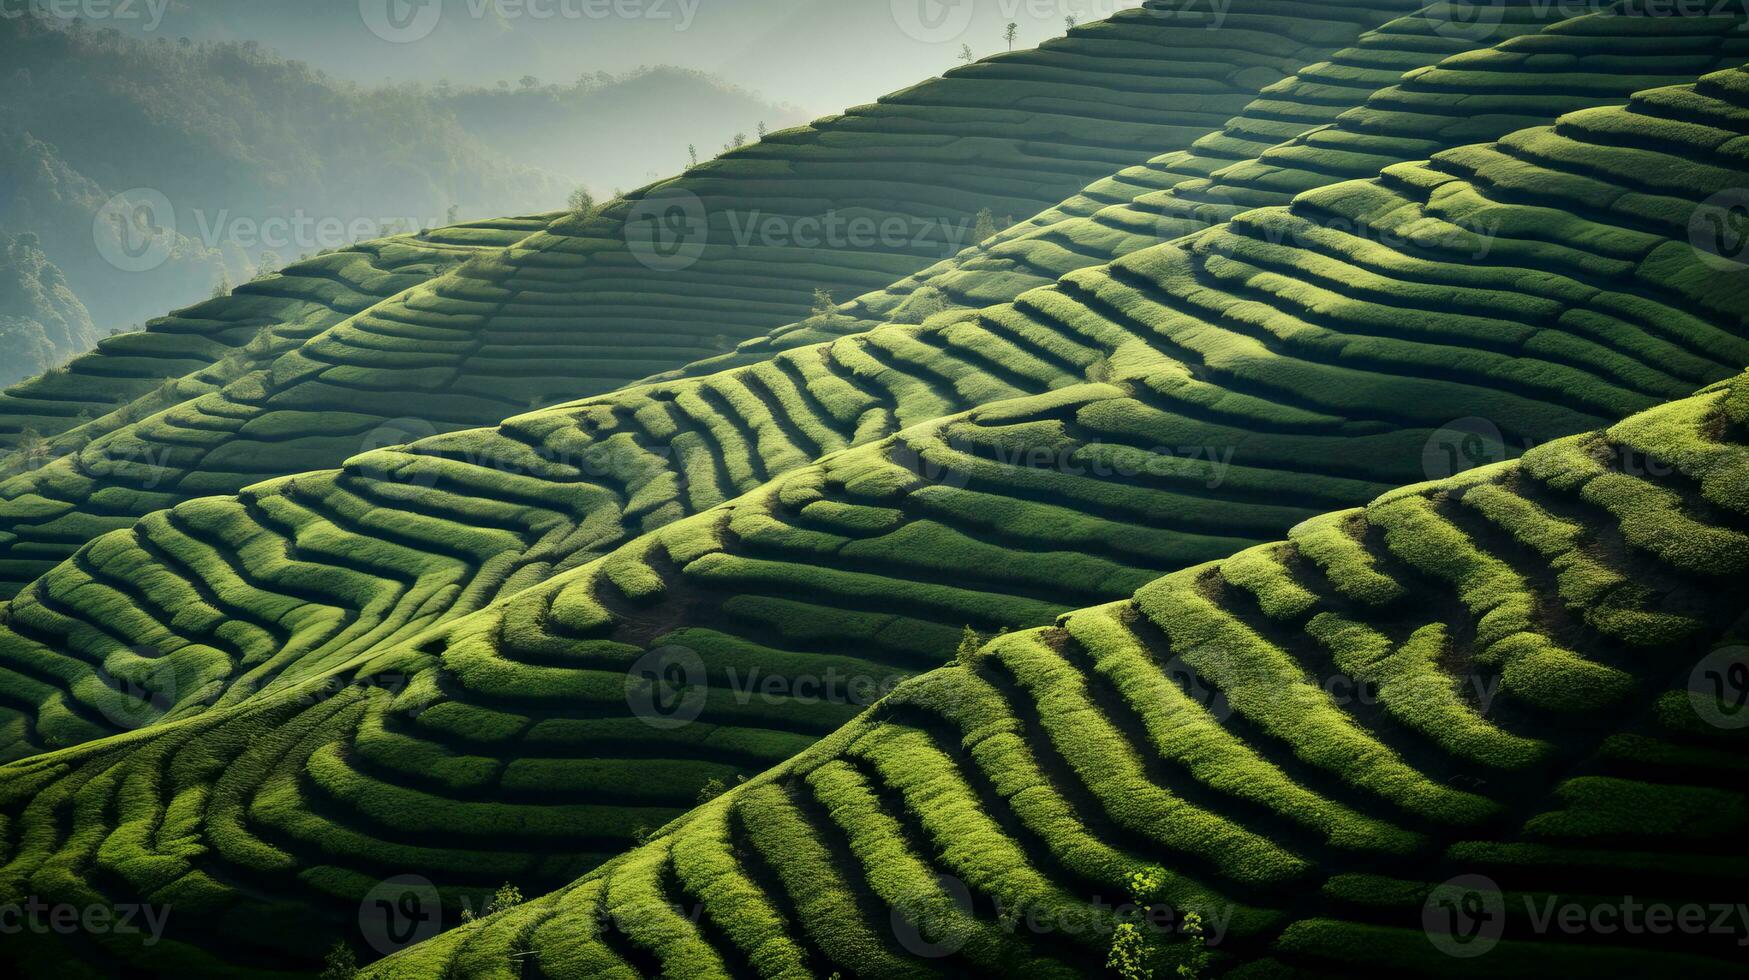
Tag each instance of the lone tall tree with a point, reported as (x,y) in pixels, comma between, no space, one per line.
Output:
(1011,33)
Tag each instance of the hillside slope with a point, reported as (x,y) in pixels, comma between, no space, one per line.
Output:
(41,322)
(1489,689)
(1268,370)
(226,137)
(1388,99)
(1296,313)
(646,450)
(584,306)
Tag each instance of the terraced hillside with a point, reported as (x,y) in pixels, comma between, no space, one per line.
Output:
(1306,307)
(1308,744)
(202,347)
(1388,99)
(1186,401)
(92,469)
(688,267)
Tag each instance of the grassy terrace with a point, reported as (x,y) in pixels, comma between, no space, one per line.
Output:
(573,309)
(203,347)
(1387,99)
(994,468)
(1525,633)
(1307,341)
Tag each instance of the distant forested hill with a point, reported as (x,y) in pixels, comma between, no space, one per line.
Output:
(41,322)
(234,160)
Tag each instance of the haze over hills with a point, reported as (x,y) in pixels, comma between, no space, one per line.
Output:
(42,323)
(244,161)
(840,207)
(795,51)
(657,650)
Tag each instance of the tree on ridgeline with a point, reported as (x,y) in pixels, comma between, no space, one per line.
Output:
(581,203)
(984,227)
